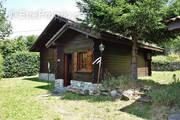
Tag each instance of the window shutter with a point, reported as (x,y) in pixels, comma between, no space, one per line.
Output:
(75,62)
(89,61)
(80,60)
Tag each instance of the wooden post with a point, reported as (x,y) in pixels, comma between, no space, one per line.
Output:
(99,73)
(60,62)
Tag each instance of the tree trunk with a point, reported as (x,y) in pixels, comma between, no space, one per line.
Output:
(134,76)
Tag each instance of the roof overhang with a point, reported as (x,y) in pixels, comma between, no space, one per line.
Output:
(59,25)
(55,24)
(174,23)
(72,27)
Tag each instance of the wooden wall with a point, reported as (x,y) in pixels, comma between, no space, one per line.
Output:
(142,63)
(117,60)
(47,55)
(78,43)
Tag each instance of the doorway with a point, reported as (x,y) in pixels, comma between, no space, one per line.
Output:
(68,69)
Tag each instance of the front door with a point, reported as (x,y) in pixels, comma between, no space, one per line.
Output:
(68,69)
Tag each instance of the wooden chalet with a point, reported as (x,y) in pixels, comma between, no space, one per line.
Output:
(71,49)
(174,24)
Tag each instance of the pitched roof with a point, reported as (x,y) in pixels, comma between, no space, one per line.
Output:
(57,28)
(173,19)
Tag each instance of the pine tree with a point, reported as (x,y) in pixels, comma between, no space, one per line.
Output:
(142,20)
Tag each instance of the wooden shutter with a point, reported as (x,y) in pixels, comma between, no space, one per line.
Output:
(89,61)
(80,61)
(75,62)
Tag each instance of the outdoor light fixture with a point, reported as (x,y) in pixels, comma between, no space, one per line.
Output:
(101,47)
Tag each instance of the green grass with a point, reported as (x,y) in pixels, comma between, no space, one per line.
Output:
(21,99)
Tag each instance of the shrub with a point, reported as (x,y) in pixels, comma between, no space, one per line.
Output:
(123,82)
(173,57)
(167,95)
(1,66)
(8,47)
(21,64)
(166,63)
(165,59)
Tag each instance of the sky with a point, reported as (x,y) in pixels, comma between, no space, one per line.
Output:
(29,17)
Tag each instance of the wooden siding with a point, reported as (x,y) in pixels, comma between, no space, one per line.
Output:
(142,63)
(47,55)
(77,43)
(117,60)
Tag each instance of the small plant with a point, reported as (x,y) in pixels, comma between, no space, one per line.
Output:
(167,95)
(123,82)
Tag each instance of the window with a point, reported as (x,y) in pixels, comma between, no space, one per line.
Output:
(83,61)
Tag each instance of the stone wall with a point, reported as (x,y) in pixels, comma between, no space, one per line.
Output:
(166,67)
(44,76)
(84,85)
(77,85)
(59,84)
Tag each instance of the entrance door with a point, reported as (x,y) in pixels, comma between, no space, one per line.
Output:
(68,69)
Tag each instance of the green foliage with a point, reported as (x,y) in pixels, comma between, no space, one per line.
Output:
(172,46)
(164,60)
(5,26)
(30,40)
(21,64)
(123,82)
(8,47)
(167,95)
(1,66)
(141,19)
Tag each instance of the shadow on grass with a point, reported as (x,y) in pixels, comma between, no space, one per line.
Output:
(139,109)
(49,86)
(35,79)
(161,91)
(99,98)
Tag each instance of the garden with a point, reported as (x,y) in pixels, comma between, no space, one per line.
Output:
(30,98)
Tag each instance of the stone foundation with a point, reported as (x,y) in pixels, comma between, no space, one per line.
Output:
(59,84)
(44,76)
(80,85)
(84,86)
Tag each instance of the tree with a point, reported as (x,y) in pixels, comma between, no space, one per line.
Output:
(5,26)
(7,47)
(30,40)
(139,19)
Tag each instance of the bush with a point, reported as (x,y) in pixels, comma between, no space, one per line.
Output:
(165,59)
(1,66)
(166,63)
(8,47)
(122,82)
(167,95)
(21,64)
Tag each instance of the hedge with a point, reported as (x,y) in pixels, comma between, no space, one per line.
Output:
(21,64)
(166,63)
(1,66)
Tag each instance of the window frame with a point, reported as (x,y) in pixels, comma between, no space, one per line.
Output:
(85,65)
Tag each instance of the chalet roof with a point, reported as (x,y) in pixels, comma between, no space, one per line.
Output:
(173,19)
(59,25)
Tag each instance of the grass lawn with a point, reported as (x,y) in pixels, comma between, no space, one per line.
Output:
(22,99)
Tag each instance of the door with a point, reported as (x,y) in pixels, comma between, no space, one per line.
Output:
(68,69)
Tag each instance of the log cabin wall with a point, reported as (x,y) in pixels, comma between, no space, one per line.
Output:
(47,55)
(117,60)
(77,43)
(142,63)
